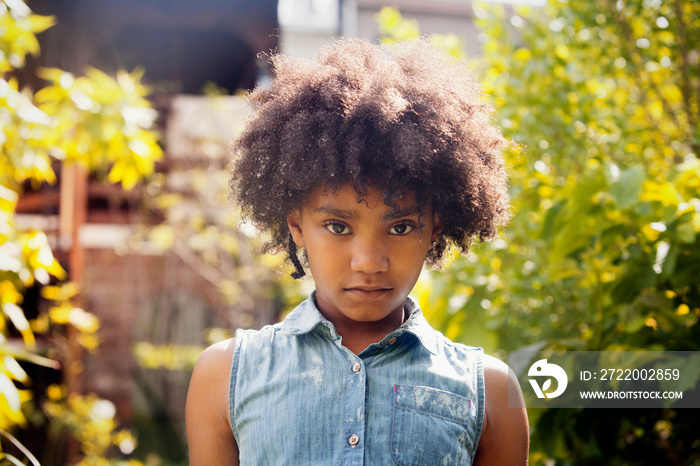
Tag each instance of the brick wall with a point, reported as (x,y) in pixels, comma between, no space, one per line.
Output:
(155,298)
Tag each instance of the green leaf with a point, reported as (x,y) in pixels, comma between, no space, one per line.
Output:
(628,188)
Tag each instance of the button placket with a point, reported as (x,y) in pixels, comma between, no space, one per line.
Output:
(354,413)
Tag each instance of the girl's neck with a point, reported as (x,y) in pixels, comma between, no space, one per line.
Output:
(359,335)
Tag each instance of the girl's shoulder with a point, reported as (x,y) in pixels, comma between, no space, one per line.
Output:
(216,354)
(505,417)
(208,427)
(455,348)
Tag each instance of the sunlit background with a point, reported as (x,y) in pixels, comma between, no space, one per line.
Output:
(120,258)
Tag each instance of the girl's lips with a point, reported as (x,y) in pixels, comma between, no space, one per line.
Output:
(368,292)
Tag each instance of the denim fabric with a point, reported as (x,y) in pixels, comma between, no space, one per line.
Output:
(297,396)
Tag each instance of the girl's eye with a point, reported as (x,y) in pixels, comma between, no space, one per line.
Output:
(401,229)
(338,228)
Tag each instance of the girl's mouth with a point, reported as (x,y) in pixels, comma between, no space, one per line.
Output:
(368,292)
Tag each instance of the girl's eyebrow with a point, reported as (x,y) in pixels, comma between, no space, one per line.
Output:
(341,213)
(349,214)
(404,212)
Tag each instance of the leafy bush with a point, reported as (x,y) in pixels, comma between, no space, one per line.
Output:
(100,123)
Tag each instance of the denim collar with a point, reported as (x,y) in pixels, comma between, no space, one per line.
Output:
(306,318)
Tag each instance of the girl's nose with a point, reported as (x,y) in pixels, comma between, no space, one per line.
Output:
(369,256)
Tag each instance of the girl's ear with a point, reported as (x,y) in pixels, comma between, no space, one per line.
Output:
(437,229)
(294,224)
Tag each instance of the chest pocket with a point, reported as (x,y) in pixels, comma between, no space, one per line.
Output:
(432,427)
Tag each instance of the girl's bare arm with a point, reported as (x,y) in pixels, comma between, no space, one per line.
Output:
(209,432)
(505,436)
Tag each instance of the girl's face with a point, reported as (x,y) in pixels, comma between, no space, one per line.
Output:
(364,256)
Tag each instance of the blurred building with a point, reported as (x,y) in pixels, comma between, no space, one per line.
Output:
(305,25)
(183,44)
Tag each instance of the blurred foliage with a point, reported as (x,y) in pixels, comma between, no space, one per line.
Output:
(171,357)
(99,122)
(603,252)
(109,122)
(209,235)
(393,27)
(91,420)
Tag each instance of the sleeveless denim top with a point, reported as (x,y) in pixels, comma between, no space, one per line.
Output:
(297,396)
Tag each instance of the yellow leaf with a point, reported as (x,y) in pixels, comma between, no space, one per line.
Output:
(562,51)
(52,293)
(60,314)
(388,18)
(89,341)
(41,23)
(650,233)
(16,316)
(671,92)
(663,192)
(130,178)
(8,195)
(55,392)
(8,293)
(51,74)
(14,369)
(11,395)
(41,324)
(117,172)
(83,321)
(651,322)
(666,37)
(55,269)
(522,54)
(633,148)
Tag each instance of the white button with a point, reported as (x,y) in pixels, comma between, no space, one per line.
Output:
(392,340)
(356,367)
(354,440)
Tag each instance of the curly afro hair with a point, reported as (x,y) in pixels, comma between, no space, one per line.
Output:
(399,118)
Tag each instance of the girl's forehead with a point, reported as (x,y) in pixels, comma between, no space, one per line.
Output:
(372,197)
(346,203)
